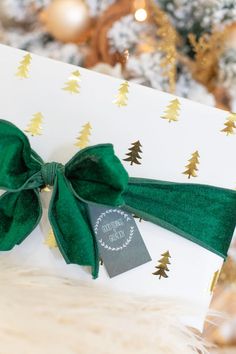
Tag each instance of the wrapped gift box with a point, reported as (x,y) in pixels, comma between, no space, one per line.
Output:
(156,135)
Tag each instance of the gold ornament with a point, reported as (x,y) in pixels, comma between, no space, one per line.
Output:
(172,111)
(23,68)
(67,20)
(35,125)
(192,166)
(83,139)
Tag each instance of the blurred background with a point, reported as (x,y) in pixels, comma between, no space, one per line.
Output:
(186,47)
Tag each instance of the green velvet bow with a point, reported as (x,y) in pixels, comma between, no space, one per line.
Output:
(203,214)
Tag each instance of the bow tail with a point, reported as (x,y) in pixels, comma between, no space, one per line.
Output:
(20,213)
(69,220)
(203,214)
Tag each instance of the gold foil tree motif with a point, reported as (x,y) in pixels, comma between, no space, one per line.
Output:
(230,124)
(214,281)
(51,240)
(162,268)
(172,111)
(191,167)
(23,69)
(122,96)
(83,139)
(35,126)
(134,153)
(72,85)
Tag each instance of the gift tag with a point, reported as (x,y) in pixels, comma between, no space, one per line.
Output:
(120,243)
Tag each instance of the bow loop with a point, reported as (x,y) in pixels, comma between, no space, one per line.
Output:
(97,175)
(71,226)
(18,162)
(20,213)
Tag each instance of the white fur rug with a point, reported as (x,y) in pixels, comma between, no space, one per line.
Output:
(41,313)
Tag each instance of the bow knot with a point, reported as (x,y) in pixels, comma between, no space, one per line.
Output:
(49,172)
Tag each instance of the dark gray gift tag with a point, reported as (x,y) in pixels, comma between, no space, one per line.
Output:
(120,243)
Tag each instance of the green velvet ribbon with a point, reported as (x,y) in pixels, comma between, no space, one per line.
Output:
(203,214)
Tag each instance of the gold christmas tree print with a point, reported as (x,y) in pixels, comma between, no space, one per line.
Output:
(35,126)
(191,168)
(122,96)
(72,85)
(162,268)
(172,111)
(214,281)
(51,240)
(83,139)
(23,68)
(230,124)
(134,153)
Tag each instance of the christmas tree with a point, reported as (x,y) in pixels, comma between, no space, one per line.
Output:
(162,268)
(134,153)
(35,125)
(172,111)
(51,240)
(122,97)
(23,69)
(192,166)
(230,124)
(83,139)
(73,84)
